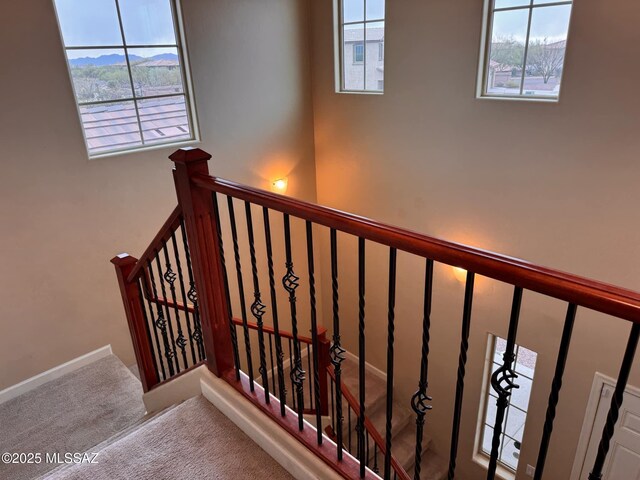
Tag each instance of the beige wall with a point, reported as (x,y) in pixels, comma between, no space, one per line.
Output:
(556,184)
(63,216)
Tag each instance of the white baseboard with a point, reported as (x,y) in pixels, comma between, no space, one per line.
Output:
(176,391)
(283,448)
(56,372)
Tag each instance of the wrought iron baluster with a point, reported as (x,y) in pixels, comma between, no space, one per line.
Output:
(290,283)
(146,327)
(293,386)
(258,309)
(502,381)
(616,403)
(390,342)
(314,331)
(282,389)
(419,401)
(310,383)
(336,352)
(556,385)
(349,426)
(368,454)
(376,470)
(333,419)
(243,305)
(183,293)
(192,295)
(462,362)
(361,354)
(272,370)
(227,293)
(170,277)
(172,350)
(155,326)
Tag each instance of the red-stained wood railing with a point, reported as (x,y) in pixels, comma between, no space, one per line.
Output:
(197,194)
(599,296)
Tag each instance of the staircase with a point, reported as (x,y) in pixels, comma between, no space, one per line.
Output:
(97,411)
(195,296)
(403,424)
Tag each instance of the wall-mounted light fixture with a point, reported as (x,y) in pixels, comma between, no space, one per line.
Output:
(280,185)
(460,274)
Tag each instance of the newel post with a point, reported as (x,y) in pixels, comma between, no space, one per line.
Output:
(200,224)
(132,300)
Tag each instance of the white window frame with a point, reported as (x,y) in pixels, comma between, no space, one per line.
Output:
(355,53)
(338,24)
(183,56)
(503,470)
(485,45)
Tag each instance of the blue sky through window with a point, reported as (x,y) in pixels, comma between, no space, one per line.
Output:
(95,22)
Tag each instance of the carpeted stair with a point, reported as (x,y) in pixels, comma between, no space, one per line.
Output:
(99,409)
(403,423)
(70,414)
(193,440)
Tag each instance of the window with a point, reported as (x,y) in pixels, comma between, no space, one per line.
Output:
(361,52)
(358,52)
(127,66)
(516,413)
(524,48)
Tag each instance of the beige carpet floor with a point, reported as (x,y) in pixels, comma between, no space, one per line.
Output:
(192,441)
(70,414)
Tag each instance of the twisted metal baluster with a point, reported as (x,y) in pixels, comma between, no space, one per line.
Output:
(145,286)
(361,354)
(555,389)
(420,398)
(503,379)
(168,313)
(192,295)
(174,243)
(293,385)
(272,369)
(375,469)
(258,309)
(146,326)
(462,362)
(390,341)
(223,264)
(170,277)
(243,305)
(314,331)
(161,323)
(290,283)
(616,403)
(282,390)
(336,352)
(309,369)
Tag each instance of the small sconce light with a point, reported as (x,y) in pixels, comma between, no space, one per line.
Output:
(280,185)
(460,274)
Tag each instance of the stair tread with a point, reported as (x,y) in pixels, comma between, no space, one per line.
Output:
(433,467)
(404,445)
(375,387)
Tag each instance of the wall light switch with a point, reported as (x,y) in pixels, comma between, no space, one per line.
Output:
(531,471)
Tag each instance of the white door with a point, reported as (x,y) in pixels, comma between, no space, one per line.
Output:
(623,461)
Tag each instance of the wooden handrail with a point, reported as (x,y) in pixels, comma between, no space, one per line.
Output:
(322,331)
(602,297)
(369,426)
(283,333)
(163,235)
